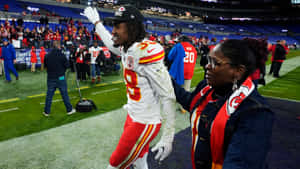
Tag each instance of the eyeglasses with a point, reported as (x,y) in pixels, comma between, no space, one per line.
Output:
(214,62)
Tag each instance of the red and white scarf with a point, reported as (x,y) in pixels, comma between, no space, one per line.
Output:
(219,123)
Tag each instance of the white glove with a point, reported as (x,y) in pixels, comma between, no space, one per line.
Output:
(164,149)
(91,13)
(164,146)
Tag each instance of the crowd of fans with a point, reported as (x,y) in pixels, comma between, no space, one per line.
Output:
(77,39)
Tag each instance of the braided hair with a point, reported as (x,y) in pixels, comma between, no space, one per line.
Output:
(136,32)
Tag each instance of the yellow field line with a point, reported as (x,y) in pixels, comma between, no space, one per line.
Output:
(37,95)
(9,100)
(57,92)
(115,82)
(101,84)
(84,87)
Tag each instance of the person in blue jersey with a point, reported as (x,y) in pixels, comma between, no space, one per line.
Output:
(183,57)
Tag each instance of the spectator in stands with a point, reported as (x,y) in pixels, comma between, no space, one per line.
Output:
(48,37)
(13,34)
(33,58)
(95,68)
(3,32)
(20,33)
(57,64)
(6,7)
(30,37)
(9,57)
(42,57)
(6,24)
(97,38)
(20,22)
(228,115)
(279,56)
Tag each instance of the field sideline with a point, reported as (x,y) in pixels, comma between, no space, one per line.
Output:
(86,143)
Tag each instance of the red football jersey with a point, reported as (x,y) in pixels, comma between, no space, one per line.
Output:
(189,59)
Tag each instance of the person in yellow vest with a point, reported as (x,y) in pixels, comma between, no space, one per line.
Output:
(231,122)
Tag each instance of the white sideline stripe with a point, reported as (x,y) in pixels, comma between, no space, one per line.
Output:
(287,66)
(6,110)
(59,100)
(104,91)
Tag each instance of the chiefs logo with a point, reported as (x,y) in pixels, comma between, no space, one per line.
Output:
(122,9)
(130,62)
(237,100)
(237,97)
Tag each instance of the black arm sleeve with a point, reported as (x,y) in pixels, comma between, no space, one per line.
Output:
(183,97)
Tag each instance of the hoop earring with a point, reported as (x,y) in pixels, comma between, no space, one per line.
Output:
(234,86)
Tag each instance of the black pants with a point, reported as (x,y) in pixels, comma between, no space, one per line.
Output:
(272,68)
(81,74)
(276,68)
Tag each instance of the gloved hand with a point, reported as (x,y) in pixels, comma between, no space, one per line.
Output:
(164,148)
(91,13)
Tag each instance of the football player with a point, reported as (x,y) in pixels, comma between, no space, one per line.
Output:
(148,87)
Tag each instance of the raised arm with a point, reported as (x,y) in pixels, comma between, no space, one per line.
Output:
(93,16)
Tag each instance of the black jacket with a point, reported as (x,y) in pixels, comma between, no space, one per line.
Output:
(247,133)
(56,63)
(279,53)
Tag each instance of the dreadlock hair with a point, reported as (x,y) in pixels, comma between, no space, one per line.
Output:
(136,32)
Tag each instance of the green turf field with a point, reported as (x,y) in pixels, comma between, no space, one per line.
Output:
(22,102)
(288,86)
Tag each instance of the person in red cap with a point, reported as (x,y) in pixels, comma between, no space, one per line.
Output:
(148,86)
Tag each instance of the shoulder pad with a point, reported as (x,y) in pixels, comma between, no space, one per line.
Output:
(151,52)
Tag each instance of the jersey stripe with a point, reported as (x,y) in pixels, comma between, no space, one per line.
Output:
(140,145)
(152,58)
(135,146)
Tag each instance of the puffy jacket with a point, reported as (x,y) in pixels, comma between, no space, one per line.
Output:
(280,52)
(33,58)
(8,52)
